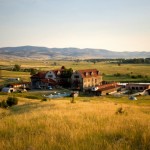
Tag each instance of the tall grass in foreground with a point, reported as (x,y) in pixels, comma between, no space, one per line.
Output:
(61,125)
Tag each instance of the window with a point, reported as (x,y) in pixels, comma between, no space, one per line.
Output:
(76,76)
(58,73)
(141,88)
(86,73)
(50,76)
(91,73)
(95,80)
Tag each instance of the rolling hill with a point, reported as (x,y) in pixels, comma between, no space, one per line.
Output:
(34,52)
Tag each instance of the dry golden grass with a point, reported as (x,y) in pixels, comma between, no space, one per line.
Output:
(88,124)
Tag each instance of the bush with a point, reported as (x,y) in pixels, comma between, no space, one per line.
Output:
(3,104)
(44,99)
(12,101)
(117,75)
(127,75)
(146,76)
(139,76)
(133,77)
(120,110)
(73,100)
(16,67)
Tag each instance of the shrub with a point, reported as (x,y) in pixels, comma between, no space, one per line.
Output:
(12,101)
(73,100)
(127,75)
(139,76)
(16,67)
(117,75)
(120,110)
(3,104)
(44,99)
(133,77)
(146,76)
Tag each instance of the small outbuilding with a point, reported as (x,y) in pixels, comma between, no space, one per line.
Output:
(132,98)
(8,90)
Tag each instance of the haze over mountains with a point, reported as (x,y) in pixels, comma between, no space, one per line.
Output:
(35,52)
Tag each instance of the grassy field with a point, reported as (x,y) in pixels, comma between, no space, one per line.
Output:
(107,69)
(89,124)
(92,123)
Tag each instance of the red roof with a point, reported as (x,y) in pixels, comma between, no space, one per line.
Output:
(42,74)
(18,84)
(107,86)
(88,73)
(59,70)
(49,81)
(56,71)
(39,75)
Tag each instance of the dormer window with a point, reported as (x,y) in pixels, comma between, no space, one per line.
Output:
(90,73)
(50,76)
(58,73)
(98,72)
(86,73)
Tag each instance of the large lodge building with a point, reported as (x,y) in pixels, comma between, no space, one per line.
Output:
(85,79)
(80,79)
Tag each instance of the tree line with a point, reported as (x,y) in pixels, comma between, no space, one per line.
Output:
(122,60)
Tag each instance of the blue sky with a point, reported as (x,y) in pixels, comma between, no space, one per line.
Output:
(119,25)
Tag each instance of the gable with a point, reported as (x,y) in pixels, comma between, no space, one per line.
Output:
(50,74)
(89,73)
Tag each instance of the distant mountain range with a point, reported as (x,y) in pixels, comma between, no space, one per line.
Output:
(34,52)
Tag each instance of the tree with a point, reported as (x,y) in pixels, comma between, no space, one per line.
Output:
(119,63)
(33,71)
(65,77)
(16,67)
(67,73)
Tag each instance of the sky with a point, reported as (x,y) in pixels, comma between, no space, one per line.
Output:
(118,25)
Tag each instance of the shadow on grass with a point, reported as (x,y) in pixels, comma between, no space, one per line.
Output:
(26,108)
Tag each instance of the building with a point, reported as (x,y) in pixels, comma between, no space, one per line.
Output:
(21,85)
(147,92)
(8,90)
(138,86)
(105,89)
(85,79)
(42,80)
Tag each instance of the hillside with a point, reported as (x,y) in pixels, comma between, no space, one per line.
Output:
(90,123)
(34,52)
